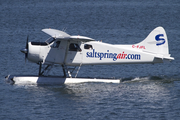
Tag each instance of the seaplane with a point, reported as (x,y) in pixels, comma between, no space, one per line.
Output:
(71,52)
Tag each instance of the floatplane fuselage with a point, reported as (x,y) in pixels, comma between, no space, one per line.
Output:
(66,50)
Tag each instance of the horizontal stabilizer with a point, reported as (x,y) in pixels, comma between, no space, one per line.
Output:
(165,58)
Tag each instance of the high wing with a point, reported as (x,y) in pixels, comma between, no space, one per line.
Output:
(81,38)
(56,33)
(64,36)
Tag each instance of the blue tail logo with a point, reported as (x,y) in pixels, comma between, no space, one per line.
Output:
(160,40)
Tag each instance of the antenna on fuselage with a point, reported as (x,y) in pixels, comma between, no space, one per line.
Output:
(64,29)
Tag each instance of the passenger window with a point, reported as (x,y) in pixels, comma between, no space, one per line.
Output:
(74,47)
(88,46)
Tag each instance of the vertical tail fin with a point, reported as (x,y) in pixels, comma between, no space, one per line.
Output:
(156,42)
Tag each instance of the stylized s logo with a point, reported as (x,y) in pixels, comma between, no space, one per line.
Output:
(159,40)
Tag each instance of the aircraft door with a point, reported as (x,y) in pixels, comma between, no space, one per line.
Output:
(60,52)
(56,52)
(75,53)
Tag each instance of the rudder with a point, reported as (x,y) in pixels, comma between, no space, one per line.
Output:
(156,42)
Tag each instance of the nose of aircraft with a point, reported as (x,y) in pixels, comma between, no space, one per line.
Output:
(24,50)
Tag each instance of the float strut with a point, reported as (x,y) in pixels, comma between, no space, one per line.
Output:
(64,70)
(40,65)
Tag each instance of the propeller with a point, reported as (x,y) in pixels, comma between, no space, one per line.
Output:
(25,50)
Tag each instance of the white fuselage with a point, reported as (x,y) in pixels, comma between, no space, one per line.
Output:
(64,49)
(99,53)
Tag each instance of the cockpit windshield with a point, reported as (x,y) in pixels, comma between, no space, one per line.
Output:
(50,40)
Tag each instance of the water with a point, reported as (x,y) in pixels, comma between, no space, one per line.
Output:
(148,91)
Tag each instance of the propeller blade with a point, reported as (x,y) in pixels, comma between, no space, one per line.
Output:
(26,54)
(27,42)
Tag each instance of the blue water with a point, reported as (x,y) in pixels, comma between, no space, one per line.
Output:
(148,91)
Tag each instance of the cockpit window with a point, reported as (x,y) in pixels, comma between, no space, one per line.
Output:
(74,47)
(88,46)
(56,44)
(50,40)
(47,42)
(39,43)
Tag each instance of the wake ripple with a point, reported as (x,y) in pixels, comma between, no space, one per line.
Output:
(149,78)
